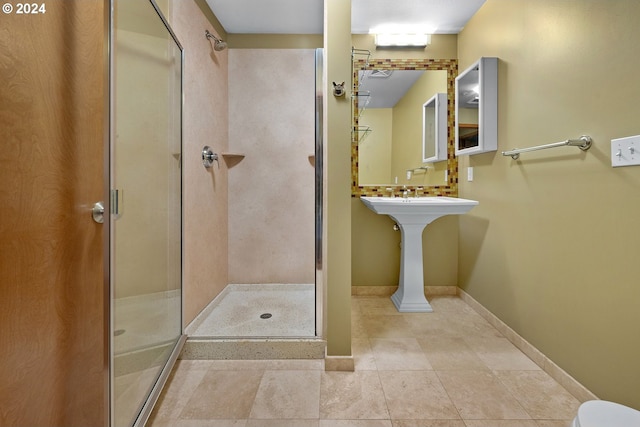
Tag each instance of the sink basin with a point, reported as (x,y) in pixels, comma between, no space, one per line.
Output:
(412,215)
(419,205)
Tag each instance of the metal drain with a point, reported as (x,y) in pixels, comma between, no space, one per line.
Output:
(265,315)
(118,332)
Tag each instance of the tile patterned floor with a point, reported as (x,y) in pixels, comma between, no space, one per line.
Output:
(449,368)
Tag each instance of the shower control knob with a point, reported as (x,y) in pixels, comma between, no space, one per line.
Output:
(208,157)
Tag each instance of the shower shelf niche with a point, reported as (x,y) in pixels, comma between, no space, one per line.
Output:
(232,159)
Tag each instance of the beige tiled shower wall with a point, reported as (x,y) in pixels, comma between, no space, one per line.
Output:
(271,189)
(205,190)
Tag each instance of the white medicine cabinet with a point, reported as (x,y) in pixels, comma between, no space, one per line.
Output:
(476,122)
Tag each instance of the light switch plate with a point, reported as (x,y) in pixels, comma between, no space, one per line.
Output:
(470,173)
(625,151)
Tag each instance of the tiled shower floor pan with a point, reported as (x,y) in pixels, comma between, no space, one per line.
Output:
(256,322)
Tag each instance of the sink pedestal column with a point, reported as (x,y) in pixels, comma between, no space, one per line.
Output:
(410,294)
(413,215)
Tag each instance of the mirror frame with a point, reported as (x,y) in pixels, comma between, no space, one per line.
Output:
(439,101)
(448,189)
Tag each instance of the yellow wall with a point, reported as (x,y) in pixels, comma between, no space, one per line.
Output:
(274,41)
(375,255)
(468,116)
(374,151)
(553,247)
(337,178)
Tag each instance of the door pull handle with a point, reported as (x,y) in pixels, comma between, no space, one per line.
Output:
(98,212)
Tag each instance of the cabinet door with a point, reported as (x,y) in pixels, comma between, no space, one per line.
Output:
(477,108)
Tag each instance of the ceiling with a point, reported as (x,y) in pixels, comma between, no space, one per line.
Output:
(306,16)
(383,89)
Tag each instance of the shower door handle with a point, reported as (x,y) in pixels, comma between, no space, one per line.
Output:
(117,200)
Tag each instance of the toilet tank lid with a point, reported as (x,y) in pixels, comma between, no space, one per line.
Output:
(596,413)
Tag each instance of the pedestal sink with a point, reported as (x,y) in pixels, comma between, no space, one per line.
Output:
(413,214)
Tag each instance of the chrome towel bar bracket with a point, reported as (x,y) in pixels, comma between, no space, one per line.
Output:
(583,143)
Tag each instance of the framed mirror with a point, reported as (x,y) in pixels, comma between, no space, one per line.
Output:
(434,129)
(371,126)
(476,102)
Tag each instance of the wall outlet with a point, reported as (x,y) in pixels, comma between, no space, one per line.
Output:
(470,173)
(625,151)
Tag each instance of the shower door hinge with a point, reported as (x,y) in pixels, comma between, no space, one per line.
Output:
(117,198)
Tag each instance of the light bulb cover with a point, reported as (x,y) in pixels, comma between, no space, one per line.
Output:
(398,39)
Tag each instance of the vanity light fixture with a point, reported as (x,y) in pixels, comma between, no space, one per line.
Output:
(402,40)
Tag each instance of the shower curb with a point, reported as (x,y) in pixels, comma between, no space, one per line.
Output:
(253,349)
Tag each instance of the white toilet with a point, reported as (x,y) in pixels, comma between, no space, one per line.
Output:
(600,413)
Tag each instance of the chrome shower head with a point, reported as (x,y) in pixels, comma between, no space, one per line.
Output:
(218,45)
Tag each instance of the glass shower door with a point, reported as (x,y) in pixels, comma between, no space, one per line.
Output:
(146,205)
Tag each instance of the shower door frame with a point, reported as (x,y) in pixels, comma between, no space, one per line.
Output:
(109,250)
(319,197)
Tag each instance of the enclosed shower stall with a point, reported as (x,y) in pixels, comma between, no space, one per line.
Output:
(274,198)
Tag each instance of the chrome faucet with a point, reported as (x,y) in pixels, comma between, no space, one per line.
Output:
(390,190)
(405,192)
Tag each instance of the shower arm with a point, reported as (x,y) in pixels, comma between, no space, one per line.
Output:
(219,44)
(209,35)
